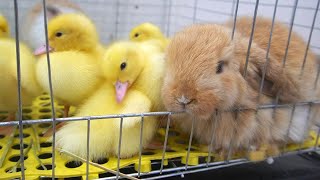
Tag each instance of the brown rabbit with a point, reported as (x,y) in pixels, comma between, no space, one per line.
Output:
(293,65)
(204,75)
(305,78)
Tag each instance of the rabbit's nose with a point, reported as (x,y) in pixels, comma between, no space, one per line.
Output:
(183,100)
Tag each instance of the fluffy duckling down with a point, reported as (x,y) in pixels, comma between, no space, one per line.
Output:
(4,27)
(8,79)
(104,133)
(75,54)
(142,70)
(147,32)
(113,98)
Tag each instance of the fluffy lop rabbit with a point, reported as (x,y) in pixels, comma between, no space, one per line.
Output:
(304,73)
(205,79)
(298,64)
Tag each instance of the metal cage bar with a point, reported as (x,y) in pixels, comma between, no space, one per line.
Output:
(251,39)
(186,169)
(140,146)
(119,147)
(88,148)
(16,20)
(165,142)
(190,142)
(50,87)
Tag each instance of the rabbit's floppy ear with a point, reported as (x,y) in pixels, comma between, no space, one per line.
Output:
(277,78)
(254,78)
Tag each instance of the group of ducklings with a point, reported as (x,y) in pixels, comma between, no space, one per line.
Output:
(123,77)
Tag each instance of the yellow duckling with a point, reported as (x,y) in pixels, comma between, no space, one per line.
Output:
(104,134)
(141,69)
(75,54)
(32,22)
(4,27)
(8,79)
(149,32)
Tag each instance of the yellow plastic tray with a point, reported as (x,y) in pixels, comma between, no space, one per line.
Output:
(64,169)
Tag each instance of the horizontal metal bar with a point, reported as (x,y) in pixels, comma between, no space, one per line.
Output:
(205,167)
(182,168)
(24,122)
(86,118)
(196,170)
(266,4)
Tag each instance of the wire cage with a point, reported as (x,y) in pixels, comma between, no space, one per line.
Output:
(27,155)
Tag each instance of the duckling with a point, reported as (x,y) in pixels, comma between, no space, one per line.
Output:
(33,22)
(75,55)
(132,84)
(104,133)
(141,68)
(149,32)
(8,78)
(4,27)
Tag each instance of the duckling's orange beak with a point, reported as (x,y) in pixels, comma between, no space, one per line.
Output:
(42,50)
(121,90)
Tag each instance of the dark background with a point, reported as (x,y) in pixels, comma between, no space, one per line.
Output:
(304,166)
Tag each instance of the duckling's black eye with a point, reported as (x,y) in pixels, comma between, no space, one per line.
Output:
(220,67)
(123,66)
(136,34)
(58,34)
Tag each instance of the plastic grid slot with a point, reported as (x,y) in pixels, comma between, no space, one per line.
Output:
(41,109)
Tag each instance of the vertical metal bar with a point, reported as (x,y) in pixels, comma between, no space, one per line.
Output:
(195,8)
(214,126)
(140,149)
(169,18)
(190,142)
(232,139)
(16,22)
(117,19)
(309,39)
(317,78)
(290,31)
(50,90)
(88,147)
(317,140)
(268,50)
(307,124)
(285,56)
(265,67)
(288,130)
(251,39)
(235,20)
(119,148)
(165,142)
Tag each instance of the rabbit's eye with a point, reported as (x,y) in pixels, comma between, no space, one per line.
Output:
(220,67)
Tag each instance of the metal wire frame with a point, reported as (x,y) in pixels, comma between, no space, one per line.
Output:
(186,169)
(16,19)
(180,171)
(50,88)
(112,116)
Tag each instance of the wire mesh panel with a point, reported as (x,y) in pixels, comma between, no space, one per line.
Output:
(28,152)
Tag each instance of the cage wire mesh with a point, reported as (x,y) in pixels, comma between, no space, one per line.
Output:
(114,20)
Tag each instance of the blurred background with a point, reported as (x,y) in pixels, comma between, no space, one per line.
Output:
(115,18)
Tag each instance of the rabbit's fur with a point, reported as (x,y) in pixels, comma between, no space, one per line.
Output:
(195,83)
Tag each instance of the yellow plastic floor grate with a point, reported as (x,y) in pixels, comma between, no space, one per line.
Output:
(39,155)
